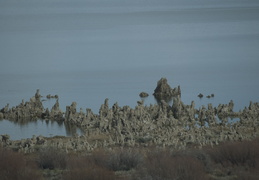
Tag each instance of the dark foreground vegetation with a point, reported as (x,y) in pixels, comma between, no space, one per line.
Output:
(229,160)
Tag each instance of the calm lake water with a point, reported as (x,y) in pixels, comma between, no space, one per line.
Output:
(86,51)
(44,128)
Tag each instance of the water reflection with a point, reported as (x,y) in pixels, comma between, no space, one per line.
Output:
(23,129)
(71,130)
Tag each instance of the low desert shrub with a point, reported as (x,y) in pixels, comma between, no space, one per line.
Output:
(124,159)
(100,158)
(247,175)
(161,165)
(101,165)
(14,165)
(91,173)
(240,159)
(117,159)
(236,154)
(52,158)
(199,154)
(84,167)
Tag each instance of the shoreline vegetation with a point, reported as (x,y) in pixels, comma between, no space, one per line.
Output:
(227,161)
(159,141)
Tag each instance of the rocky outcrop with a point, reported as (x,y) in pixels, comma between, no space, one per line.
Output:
(164,125)
(26,110)
(32,110)
(4,139)
(49,96)
(143,94)
(208,96)
(56,113)
(200,95)
(163,91)
(178,125)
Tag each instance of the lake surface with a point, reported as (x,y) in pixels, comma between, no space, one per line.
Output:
(39,128)
(86,51)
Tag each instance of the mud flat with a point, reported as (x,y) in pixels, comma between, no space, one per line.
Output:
(176,126)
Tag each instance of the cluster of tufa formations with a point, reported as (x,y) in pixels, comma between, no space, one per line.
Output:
(177,126)
(163,91)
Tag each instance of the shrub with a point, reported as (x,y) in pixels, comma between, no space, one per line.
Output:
(236,154)
(100,158)
(199,154)
(14,166)
(161,165)
(91,173)
(247,175)
(100,165)
(118,159)
(239,159)
(84,167)
(52,158)
(124,160)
